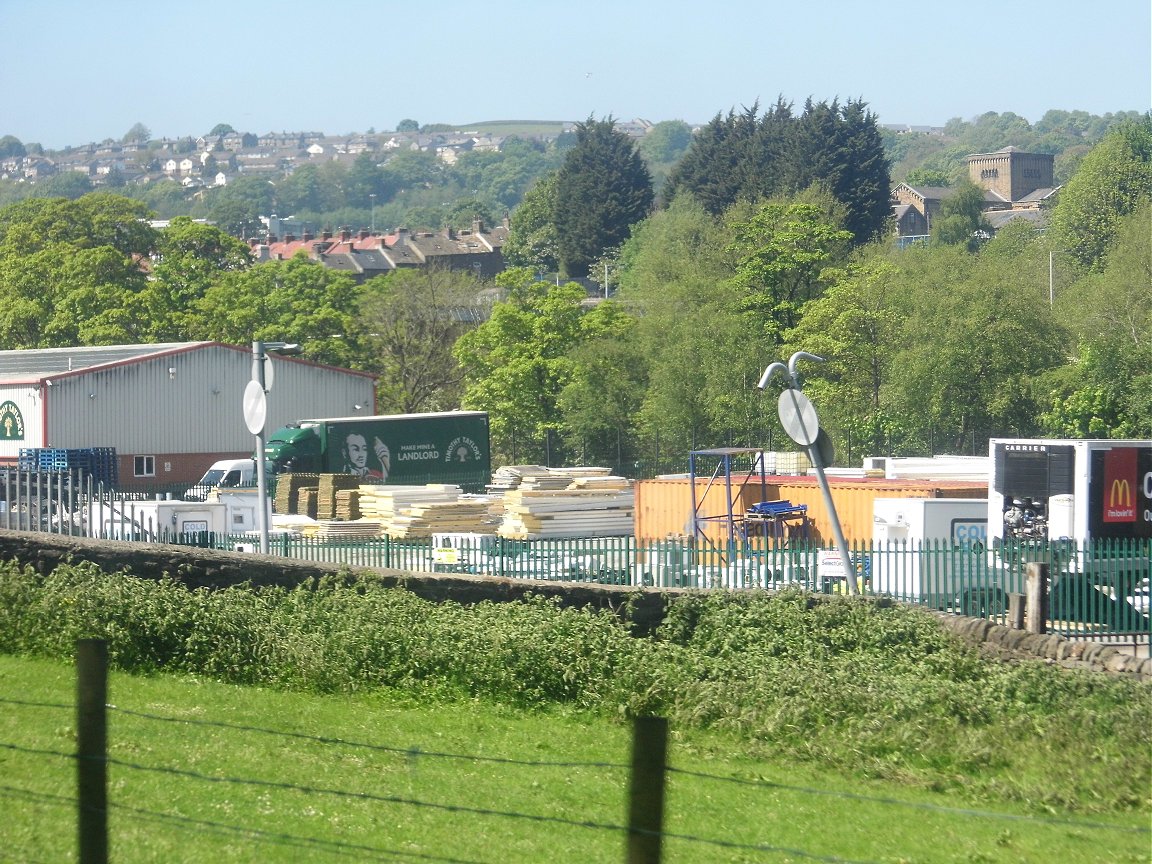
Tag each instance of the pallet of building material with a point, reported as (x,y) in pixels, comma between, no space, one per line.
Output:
(600,481)
(529,514)
(382,502)
(329,485)
(338,529)
(463,516)
(287,487)
(348,504)
(509,476)
(563,526)
(306,501)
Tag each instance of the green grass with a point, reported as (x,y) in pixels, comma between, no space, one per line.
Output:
(405,803)
(832,695)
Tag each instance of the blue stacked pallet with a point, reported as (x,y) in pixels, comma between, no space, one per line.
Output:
(97,462)
(100,463)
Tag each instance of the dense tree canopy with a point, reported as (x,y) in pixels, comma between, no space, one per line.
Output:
(743,157)
(602,190)
(1112,181)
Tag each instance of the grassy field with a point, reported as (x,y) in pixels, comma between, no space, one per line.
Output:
(203,771)
(347,720)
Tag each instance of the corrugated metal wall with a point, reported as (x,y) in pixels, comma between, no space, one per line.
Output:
(664,506)
(191,402)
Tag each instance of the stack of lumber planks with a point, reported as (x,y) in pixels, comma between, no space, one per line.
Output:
(593,503)
(288,487)
(420,511)
(334,529)
(329,485)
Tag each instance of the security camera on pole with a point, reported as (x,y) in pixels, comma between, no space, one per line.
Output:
(798,417)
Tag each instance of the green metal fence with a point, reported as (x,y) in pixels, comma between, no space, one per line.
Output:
(1098,590)
(1095,589)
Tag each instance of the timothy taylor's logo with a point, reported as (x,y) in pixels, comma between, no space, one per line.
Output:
(1119,485)
(462,449)
(11,422)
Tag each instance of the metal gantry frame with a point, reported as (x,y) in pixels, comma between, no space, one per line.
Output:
(699,523)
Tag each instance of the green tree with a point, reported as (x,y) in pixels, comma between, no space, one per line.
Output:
(67,184)
(675,280)
(297,300)
(666,141)
(929,177)
(732,158)
(408,323)
(605,389)
(138,134)
(975,345)
(190,258)
(237,207)
(602,190)
(517,362)
(11,146)
(856,325)
(407,125)
(839,148)
(1106,391)
(532,232)
(1111,182)
(221,129)
(962,221)
(782,251)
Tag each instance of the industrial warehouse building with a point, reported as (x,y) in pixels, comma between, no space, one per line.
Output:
(168,410)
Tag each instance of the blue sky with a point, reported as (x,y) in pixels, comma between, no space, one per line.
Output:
(73,72)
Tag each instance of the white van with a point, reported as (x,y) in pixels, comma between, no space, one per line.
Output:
(225,474)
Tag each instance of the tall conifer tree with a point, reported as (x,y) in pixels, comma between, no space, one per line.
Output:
(602,190)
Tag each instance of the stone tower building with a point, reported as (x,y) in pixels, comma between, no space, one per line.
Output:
(1010,173)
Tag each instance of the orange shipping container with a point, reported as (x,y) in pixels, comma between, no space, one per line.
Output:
(664,506)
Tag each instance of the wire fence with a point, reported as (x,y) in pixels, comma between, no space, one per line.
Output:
(637,784)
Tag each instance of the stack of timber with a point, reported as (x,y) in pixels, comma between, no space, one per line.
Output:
(590,506)
(468,514)
(420,511)
(348,505)
(305,503)
(540,477)
(331,529)
(329,485)
(288,487)
(510,476)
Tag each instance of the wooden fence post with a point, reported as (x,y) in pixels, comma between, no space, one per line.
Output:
(646,796)
(91,750)
(1036,605)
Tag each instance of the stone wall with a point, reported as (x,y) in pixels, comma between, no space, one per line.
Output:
(996,640)
(643,608)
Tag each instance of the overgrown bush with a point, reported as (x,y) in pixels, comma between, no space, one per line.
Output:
(878,691)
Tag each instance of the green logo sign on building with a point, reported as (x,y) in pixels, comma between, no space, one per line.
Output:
(11,422)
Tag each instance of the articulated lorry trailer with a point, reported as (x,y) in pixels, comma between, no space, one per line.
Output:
(1081,490)
(397,449)
(1084,506)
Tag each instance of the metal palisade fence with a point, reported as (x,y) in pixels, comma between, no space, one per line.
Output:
(1096,590)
